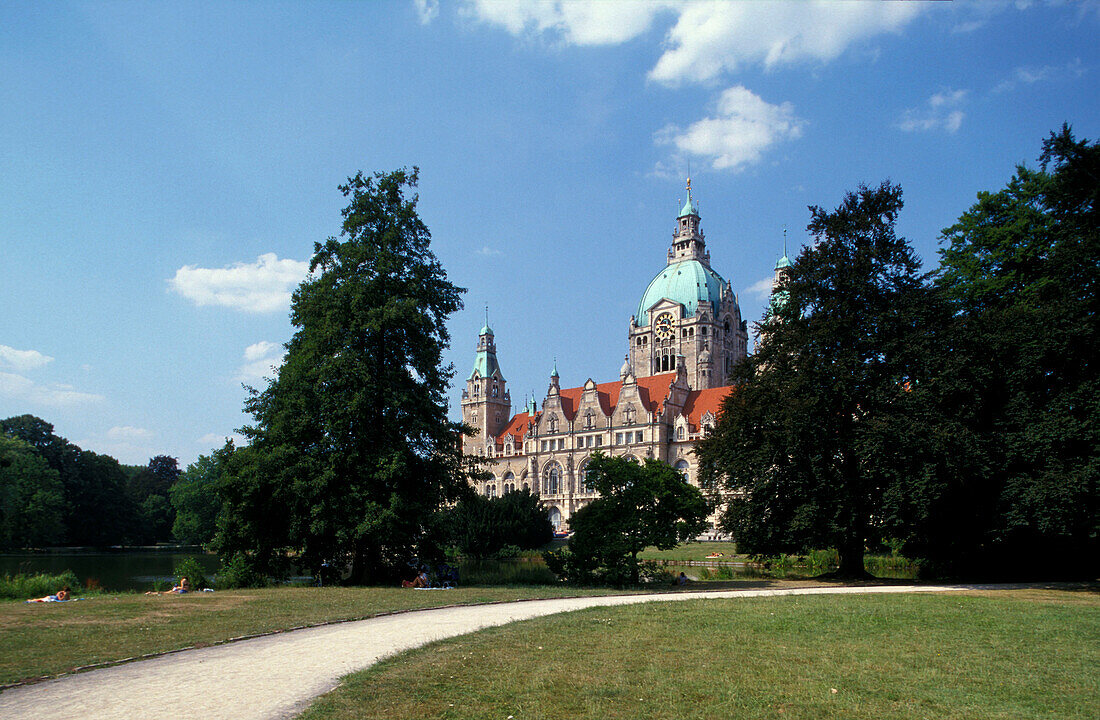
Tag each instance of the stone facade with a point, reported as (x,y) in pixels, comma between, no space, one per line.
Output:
(683,343)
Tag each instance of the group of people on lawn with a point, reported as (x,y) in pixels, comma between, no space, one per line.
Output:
(446,577)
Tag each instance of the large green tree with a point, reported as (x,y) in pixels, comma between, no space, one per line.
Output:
(795,452)
(1021,269)
(31,497)
(194,497)
(639,505)
(352,453)
(98,511)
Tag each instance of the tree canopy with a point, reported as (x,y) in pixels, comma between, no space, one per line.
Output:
(793,449)
(639,505)
(481,527)
(31,498)
(351,451)
(1021,271)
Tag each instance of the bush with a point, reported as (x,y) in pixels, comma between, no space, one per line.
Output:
(238,573)
(24,587)
(652,571)
(191,569)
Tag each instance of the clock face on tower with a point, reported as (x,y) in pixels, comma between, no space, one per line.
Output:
(662,326)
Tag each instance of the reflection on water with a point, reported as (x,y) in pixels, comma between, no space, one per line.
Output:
(112,570)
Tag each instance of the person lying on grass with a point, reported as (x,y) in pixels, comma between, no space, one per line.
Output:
(181,589)
(61,596)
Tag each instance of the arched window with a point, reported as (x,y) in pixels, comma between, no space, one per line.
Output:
(552,479)
(589,418)
(555,517)
(496,390)
(553,424)
(682,468)
(680,433)
(509,482)
(586,483)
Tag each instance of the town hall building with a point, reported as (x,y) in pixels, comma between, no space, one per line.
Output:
(683,343)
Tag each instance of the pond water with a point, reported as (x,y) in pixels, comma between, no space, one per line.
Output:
(112,570)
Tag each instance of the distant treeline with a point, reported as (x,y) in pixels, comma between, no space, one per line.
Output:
(53,493)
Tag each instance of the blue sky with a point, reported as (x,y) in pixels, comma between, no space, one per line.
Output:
(166,168)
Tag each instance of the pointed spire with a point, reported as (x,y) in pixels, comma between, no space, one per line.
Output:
(783,262)
(554,374)
(689,206)
(486,330)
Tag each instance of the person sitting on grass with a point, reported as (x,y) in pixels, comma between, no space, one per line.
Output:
(61,596)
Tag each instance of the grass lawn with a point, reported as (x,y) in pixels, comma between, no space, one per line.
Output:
(694,551)
(993,654)
(47,639)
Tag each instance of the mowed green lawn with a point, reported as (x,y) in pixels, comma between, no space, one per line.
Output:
(46,639)
(991,654)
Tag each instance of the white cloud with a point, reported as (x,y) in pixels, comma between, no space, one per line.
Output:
(22,360)
(761,289)
(941,112)
(24,390)
(488,251)
(260,361)
(710,38)
(259,287)
(743,127)
(1029,75)
(128,433)
(426,10)
(608,22)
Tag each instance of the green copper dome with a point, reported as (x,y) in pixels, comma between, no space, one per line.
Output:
(688,282)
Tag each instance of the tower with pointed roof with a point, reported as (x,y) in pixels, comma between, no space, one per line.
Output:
(782,269)
(486,403)
(684,340)
(688,310)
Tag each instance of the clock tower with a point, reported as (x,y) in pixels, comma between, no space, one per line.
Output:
(688,310)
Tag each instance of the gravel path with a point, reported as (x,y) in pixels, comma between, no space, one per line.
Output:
(277,676)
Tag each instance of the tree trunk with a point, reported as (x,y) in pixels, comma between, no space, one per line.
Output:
(851,561)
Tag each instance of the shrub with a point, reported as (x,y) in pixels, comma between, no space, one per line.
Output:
(652,571)
(23,587)
(238,573)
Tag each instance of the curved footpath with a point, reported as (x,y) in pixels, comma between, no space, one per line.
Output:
(277,676)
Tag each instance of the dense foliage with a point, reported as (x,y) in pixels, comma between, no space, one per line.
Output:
(797,440)
(954,416)
(194,497)
(1021,271)
(32,499)
(54,493)
(481,527)
(97,510)
(351,454)
(639,506)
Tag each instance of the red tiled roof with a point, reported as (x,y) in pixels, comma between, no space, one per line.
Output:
(653,390)
(517,427)
(699,402)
